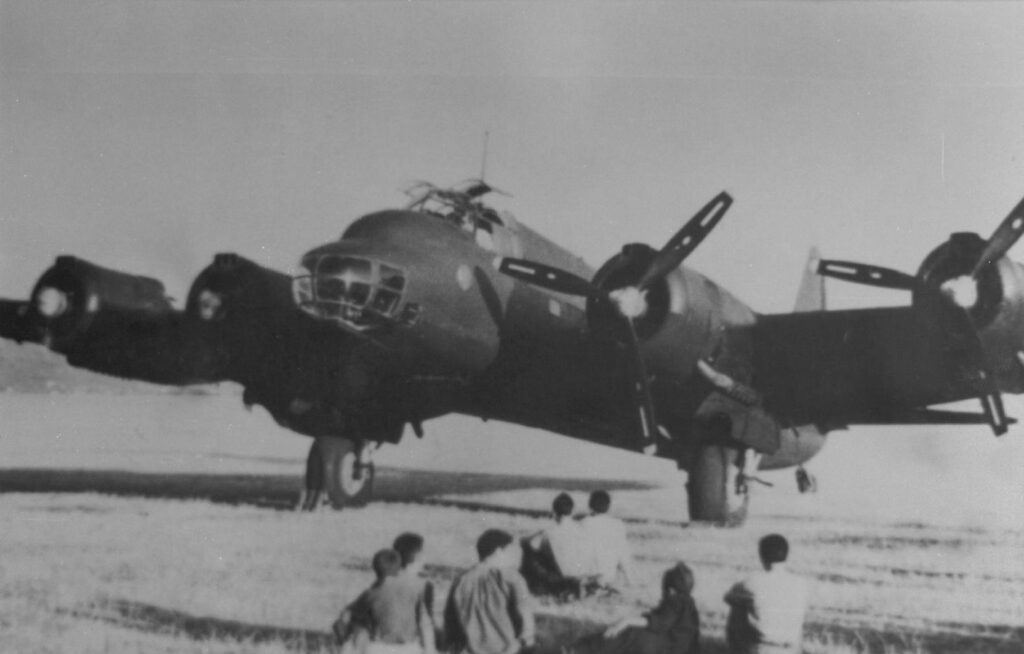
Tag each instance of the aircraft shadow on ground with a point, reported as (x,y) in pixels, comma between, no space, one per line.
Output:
(139,616)
(279,491)
(157,619)
(551,629)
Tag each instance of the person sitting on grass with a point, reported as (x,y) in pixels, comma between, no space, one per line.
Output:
(489,608)
(673,627)
(766,610)
(555,561)
(388,617)
(410,548)
(611,561)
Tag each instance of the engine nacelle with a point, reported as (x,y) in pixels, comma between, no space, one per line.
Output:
(75,299)
(687,318)
(994,300)
(299,368)
(244,314)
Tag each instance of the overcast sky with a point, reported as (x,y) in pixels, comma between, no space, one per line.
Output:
(148,136)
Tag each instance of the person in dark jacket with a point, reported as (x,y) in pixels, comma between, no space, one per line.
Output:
(673,627)
(389,616)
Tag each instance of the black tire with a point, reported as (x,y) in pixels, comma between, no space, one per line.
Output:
(343,482)
(313,492)
(711,488)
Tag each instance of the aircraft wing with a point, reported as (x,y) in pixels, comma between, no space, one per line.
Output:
(239,323)
(12,319)
(106,321)
(883,365)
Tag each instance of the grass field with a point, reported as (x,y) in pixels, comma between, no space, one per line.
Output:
(158,524)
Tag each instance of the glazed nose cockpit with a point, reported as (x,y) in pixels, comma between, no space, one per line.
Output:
(358,291)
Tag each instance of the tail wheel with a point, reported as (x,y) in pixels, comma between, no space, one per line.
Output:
(346,479)
(713,492)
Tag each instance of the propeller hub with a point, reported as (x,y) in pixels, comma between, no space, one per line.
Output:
(962,290)
(51,302)
(631,301)
(211,305)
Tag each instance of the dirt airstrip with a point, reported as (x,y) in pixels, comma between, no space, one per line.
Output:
(160,523)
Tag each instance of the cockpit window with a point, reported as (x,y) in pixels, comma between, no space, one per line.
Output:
(459,206)
(358,291)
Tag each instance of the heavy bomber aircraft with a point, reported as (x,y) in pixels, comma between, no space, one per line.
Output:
(448,306)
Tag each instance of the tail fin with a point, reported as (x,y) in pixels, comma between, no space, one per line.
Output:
(811,296)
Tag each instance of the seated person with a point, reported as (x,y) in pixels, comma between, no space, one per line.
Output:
(610,560)
(766,610)
(555,560)
(386,617)
(673,627)
(410,548)
(489,608)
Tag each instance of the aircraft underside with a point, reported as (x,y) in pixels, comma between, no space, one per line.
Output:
(437,308)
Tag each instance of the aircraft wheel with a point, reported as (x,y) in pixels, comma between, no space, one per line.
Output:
(346,481)
(712,489)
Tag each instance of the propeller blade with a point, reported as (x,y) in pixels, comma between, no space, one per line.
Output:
(643,403)
(550,278)
(985,382)
(1008,232)
(686,239)
(862,273)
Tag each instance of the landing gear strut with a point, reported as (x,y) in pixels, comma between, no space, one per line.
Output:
(339,471)
(805,482)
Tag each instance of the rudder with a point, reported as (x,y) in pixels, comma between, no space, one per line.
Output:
(811,295)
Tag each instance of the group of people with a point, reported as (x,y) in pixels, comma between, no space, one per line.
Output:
(490,607)
(578,556)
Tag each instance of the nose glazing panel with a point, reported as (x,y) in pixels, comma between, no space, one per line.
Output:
(360,292)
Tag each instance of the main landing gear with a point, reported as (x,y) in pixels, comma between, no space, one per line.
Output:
(716,489)
(338,471)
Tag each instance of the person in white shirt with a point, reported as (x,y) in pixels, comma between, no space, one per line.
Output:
(555,560)
(766,610)
(609,556)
